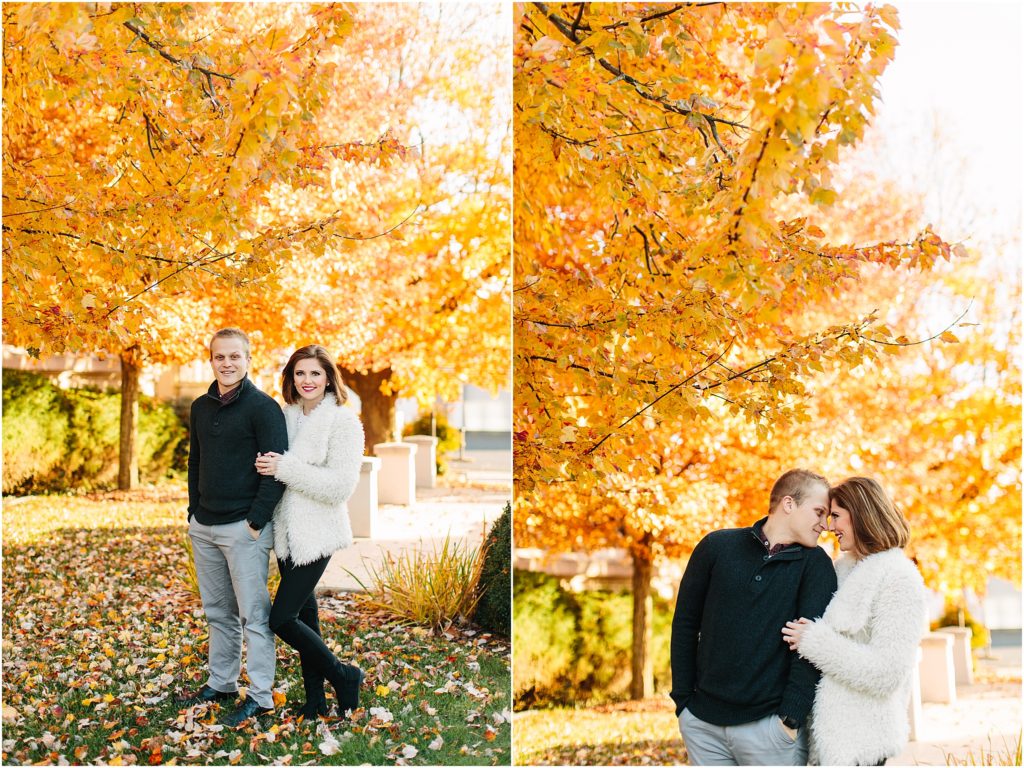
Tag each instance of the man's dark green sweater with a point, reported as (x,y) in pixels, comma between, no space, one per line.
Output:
(223,484)
(730,664)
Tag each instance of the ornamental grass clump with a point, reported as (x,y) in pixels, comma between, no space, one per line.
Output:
(1009,754)
(432,589)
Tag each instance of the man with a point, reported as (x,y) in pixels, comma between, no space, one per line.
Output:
(229,509)
(742,697)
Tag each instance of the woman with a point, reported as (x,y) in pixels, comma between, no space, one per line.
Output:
(866,642)
(320,471)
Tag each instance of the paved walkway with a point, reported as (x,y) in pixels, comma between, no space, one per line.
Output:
(481,466)
(462,511)
(985,720)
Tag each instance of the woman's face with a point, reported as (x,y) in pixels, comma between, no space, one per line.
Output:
(842,526)
(310,380)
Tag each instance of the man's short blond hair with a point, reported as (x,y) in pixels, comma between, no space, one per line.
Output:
(231,333)
(796,483)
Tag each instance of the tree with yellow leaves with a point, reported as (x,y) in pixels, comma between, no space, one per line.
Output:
(674,296)
(654,271)
(169,168)
(419,311)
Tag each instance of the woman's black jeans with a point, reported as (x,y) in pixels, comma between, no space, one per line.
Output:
(294,618)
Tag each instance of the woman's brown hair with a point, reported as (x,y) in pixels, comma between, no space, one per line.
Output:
(878,524)
(322,356)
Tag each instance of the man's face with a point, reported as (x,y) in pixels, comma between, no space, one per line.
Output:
(229,361)
(809,518)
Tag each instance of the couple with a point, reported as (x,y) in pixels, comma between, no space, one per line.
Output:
(260,479)
(753,680)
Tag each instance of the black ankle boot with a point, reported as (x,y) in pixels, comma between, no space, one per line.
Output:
(313,709)
(313,685)
(346,680)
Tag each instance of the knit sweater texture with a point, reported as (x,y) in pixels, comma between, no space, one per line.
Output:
(223,484)
(730,664)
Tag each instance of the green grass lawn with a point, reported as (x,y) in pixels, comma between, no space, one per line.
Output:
(630,733)
(100,633)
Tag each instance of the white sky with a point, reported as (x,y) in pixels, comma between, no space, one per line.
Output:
(961,62)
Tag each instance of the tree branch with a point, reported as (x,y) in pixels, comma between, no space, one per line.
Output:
(69,235)
(415,210)
(922,341)
(733,375)
(647,254)
(645,19)
(199,261)
(527,286)
(38,210)
(642,90)
(660,397)
(189,65)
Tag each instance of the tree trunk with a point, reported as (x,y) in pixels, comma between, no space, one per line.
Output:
(378,409)
(127,459)
(642,684)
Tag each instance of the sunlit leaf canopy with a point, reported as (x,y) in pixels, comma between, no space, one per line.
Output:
(696,327)
(310,173)
(657,273)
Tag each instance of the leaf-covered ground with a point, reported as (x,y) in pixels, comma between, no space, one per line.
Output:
(100,635)
(630,733)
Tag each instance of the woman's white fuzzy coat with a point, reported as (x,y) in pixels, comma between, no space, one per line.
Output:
(320,470)
(865,645)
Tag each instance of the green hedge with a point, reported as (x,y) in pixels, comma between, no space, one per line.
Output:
(59,440)
(494,610)
(574,647)
(35,428)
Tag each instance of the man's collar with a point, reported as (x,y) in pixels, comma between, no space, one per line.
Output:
(772,549)
(230,396)
(757,529)
(229,392)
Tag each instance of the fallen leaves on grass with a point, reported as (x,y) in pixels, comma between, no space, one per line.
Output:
(630,733)
(99,638)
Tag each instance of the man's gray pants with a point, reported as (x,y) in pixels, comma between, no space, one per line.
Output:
(232,568)
(761,742)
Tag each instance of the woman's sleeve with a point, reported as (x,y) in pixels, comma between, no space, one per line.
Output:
(336,481)
(876,667)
